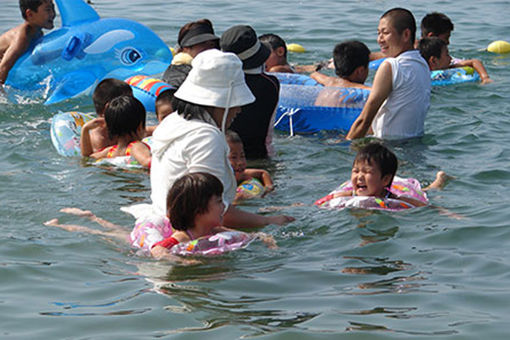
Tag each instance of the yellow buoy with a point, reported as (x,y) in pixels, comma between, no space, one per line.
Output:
(295,48)
(499,46)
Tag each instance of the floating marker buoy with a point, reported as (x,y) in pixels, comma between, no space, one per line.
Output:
(499,46)
(295,48)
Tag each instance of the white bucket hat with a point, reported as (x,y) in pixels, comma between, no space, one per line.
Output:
(216,79)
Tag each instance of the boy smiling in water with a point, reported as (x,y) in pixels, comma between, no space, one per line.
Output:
(38,14)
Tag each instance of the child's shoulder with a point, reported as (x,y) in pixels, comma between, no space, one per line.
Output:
(22,35)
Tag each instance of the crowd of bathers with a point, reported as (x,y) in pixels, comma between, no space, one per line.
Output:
(221,109)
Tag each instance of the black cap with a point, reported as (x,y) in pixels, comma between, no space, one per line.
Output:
(242,40)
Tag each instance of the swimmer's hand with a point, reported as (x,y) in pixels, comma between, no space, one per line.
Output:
(280,219)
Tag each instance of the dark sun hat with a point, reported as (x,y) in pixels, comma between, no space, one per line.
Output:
(242,40)
(198,34)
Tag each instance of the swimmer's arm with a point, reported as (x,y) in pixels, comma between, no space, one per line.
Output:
(17,47)
(149,130)
(376,55)
(381,89)
(263,176)
(321,78)
(237,218)
(478,66)
(103,153)
(85,139)
(142,154)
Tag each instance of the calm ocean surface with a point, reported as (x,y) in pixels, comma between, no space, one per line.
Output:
(337,274)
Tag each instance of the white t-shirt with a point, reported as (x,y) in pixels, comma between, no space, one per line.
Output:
(403,113)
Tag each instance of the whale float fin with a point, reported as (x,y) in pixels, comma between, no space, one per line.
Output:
(72,85)
(74,11)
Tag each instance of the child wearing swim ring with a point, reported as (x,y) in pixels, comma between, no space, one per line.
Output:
(372,175)
(194,207)
(237,159)
(125,121)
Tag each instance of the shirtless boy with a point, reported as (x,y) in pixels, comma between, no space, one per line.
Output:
(351,66)
(38,14)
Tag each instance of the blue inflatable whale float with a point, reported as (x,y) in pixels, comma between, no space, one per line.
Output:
(71,60)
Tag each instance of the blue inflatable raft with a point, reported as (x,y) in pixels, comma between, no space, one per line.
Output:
(306,107)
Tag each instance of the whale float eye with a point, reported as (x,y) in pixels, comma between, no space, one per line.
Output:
(129,56)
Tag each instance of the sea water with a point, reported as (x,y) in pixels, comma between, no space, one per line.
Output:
(417,274)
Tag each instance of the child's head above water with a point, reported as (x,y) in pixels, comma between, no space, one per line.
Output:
(436,25)
(435,52)
(278,47)
(236,156)
(349,56)
(40,13)
(124,115)
(106,90)
(164,104)
(194,195)
(373,170)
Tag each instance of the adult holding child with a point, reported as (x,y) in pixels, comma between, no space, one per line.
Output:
(400,95)
(192,138)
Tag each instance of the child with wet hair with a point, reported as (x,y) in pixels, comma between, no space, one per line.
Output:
(435,52)
(437,24)
(372,174)
(194,207)
(94,134)
(125,121)
(37,14)
(237,159)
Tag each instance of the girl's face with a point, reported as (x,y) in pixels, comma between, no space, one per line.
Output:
(367,180)
(213,217)
(391,42)
(237,159)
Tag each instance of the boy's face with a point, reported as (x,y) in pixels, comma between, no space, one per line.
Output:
(367,180)
(237,159)
(390,41)
(163,109)
(44,15)
(445,60)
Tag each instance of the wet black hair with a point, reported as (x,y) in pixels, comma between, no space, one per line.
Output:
(190,196)
(348,56)
(123,116)
(189,110)
(274,41)
(106,90)
(29,4)
(436,23)
(377,154)
(431,47)
(402,19)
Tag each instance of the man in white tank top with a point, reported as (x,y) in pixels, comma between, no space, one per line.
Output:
(400,96)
